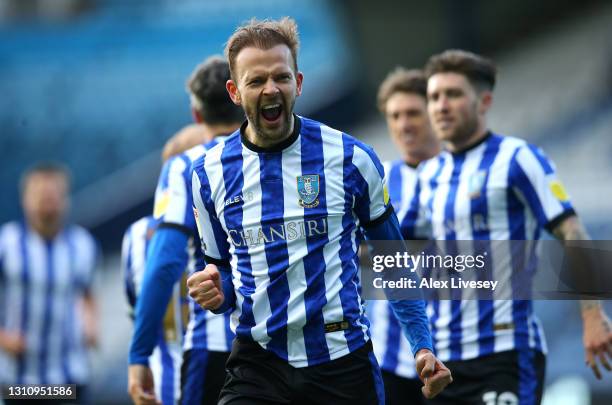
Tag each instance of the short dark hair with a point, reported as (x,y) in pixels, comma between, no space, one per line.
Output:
(209,97)
(401,80)
(44,167)
(481,72)
(263,34)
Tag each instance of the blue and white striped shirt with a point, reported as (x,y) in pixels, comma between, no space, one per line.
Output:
(167,357)
(41,284)
(288,222)
(500,189)
(174,207)
(391,347)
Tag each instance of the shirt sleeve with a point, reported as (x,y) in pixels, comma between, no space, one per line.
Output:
(213,238)
(371,203)
(126,268)
(533,177)
(173,200)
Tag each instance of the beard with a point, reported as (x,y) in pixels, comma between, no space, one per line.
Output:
(272,134)
(464,131)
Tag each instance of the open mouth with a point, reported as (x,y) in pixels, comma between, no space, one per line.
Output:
(271,112)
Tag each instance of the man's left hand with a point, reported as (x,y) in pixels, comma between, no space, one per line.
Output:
(434,374)
(597,339)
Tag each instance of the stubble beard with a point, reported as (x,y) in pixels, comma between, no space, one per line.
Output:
(277,134)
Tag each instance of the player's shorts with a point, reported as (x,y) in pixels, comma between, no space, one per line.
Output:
(401,390)
(256,377)
(509,378)
(202,376)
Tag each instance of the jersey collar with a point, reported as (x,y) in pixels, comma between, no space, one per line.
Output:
(279,147)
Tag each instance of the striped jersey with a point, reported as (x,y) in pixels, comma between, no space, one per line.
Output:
(391,347)
(167,357)
(499,189)
(41,285)
(174,208)
(288,221)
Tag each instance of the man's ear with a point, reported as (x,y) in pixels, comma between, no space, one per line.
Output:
(232,89)
(299,77)
(197,117)
(486,100)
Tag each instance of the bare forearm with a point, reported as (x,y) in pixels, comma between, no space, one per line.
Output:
(572,229)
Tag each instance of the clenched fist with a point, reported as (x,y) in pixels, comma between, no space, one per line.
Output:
(205,287)
(434,374)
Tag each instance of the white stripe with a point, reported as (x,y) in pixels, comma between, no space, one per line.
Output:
(251,220)
(296,251)
(177,192)
(464,232)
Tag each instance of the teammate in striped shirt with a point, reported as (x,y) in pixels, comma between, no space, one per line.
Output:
(489,187)
(281,208)
(402,99)
(208,337)
(166,359)
(48,313)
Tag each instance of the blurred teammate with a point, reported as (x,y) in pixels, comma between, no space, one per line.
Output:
(175,241)
(281,207)
(485,186)
(48,314)
(402,99)
(167,357)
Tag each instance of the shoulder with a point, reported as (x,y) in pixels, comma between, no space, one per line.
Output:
(10,230)
(140,226)
(81,238)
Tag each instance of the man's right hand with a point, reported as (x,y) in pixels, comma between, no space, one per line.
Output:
(140,385)
(12,342)
(205,287)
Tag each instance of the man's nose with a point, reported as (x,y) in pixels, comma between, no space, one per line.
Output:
(270,87)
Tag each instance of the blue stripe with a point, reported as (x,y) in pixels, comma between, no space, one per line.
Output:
(391,356)
(229,335)
(516,221)
(205,194)
(451,236)
(528,381)
(46,326)
(395,184)
(277,257)
(433,185)
(25,307)
(479,206)
(314,262)
(377,376)
(200,335)
(348,256)
(192,390)
(231,160)
(408,225)
(518,178)
(539,155)
(167,371)
(130,288)
(67,341)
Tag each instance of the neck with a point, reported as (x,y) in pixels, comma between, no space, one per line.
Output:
(459,145)
(220,129)
(265,142)
(429,150)
(46,231)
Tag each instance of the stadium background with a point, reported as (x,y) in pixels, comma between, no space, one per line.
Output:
(99,85)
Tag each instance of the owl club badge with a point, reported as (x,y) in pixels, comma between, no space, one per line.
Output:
(308,189)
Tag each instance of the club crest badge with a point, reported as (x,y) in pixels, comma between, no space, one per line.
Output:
(308,189)
(477,182)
